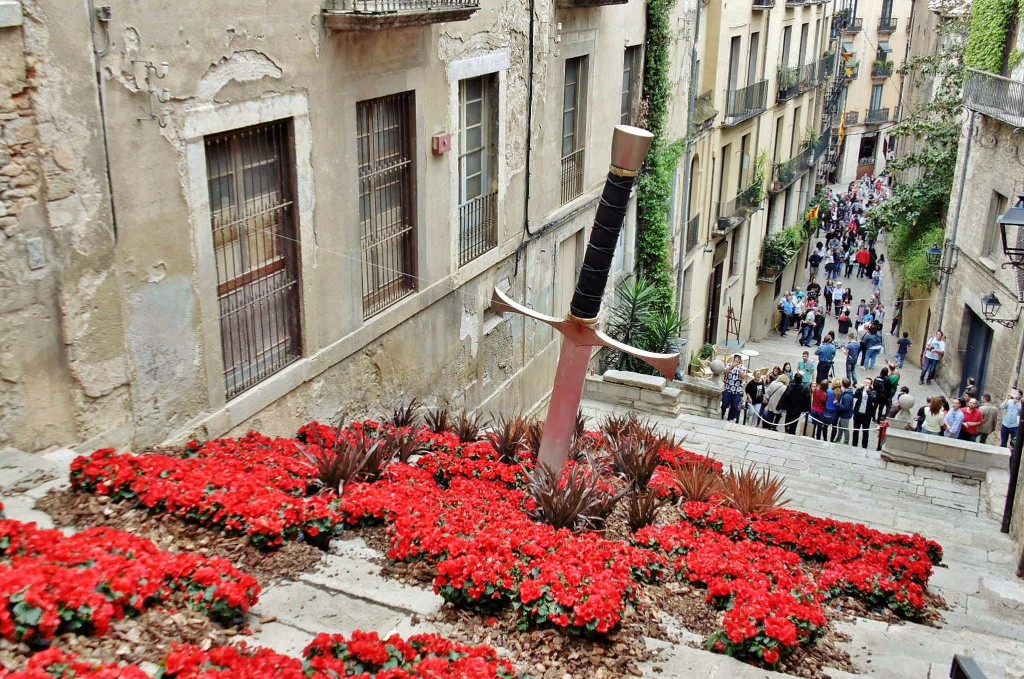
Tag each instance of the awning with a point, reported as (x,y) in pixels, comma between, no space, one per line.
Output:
(848,47)
(884,47)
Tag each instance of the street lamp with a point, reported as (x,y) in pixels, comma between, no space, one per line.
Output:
(990,305)
(934,254)
(1011,226)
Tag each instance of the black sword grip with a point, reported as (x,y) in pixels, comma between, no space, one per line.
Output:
(597,263)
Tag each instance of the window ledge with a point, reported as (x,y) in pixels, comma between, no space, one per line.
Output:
(988,263)
(492,323)
(733,280)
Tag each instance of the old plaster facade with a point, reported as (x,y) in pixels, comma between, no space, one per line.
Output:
(160,163)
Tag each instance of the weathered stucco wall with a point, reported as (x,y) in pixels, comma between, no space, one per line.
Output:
(115,338)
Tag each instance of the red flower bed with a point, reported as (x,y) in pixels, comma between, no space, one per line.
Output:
(51,584)
(53,663)
(462,510)
(363,654)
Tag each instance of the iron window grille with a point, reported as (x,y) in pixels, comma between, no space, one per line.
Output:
(478,197)
(386,198)
(250,177)
(573,151)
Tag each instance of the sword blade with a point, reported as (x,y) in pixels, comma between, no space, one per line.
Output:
(570,376)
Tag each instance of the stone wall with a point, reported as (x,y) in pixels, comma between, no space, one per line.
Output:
(963,458)
(651,393)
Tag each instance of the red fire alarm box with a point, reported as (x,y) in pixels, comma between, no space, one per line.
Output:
(441,144)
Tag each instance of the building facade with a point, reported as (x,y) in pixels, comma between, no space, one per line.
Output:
(762,123)
(875,43)
(217,219)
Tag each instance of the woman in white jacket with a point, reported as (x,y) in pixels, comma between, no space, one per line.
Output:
(772,396)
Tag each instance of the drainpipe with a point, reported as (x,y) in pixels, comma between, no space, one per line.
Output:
(688,155)
(956,217)
(529,121)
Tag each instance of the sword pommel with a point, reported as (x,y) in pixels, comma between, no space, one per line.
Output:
(629,147)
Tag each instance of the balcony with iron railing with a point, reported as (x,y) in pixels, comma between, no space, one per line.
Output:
(995,96)
(809,75)
(796,3)
(692,233)
(851,117)
(789,83)
(737,210)
(745,103)
(854,25)
(762,4)
(825,66)
(820,146)
(478,226)
(881,69)
(873,116)
(788,172)
(887,25)
(362,15)
(572,175)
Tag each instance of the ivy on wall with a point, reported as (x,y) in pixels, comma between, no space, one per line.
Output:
(654,185)
(990,23)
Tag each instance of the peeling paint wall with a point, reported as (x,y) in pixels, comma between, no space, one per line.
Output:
(119,330)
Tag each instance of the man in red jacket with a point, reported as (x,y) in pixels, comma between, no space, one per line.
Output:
(863,257)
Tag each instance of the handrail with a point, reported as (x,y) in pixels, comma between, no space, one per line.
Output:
(995,95)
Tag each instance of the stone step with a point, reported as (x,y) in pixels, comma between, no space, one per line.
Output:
(314,609)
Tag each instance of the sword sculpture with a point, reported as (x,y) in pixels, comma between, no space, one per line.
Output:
(578,329)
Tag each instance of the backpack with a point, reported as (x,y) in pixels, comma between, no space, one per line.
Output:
(877,388)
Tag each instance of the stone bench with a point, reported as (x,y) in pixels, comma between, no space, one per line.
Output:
(652,393)
(963,458)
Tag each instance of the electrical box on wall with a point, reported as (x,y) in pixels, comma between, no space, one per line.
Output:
(441,144)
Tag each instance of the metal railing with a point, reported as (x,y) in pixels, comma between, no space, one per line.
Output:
(876,115)
(763,4)
(572,175)
(851,70)
(887,24)
(826,66)
(788,172)
(809,75)
(851,117)
(789,82)
(795,3)
(395,6)
(478,226)
(692,233)
(822,144)
(745,102)
(855,25)
(736,211)
(883,70)
(996,96)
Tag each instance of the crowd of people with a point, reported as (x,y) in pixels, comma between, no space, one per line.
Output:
(833,403)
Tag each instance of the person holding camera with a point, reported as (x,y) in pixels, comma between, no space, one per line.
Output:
(934,350)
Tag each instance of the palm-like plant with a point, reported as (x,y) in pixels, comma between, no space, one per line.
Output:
(752,492)
(634,319)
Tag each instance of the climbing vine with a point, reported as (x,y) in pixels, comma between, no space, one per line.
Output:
(990,23)
(654,185)
(915,214)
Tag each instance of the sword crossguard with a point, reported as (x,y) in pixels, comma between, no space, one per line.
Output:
(585,335)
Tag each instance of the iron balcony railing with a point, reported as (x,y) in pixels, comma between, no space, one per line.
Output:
(789,82)
(737,210)
(692,233)
(763,4)
(788,172)
(809,75)
(887,24)
(745,102)
(851,117)
(821,144)
(851,70)
(826,65)
(855,25)
(873,116)
(995,96)
(396,6)
(478,226)
(572,175)
(881,70)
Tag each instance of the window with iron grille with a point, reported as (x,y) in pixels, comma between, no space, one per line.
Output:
(252,214)
(574,96)
(384,136)
(630,79)
(478,194)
